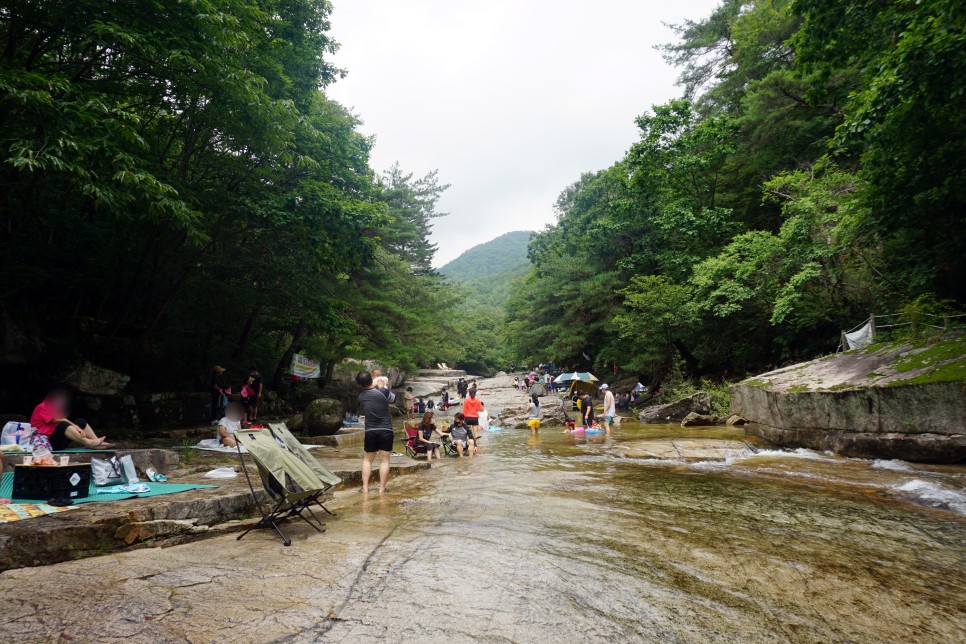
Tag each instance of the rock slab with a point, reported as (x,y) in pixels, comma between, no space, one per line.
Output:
(919,422)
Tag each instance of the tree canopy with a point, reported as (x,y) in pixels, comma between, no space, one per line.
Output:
(178,190)
(811,175)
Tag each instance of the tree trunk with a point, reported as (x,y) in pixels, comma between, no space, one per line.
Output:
(298,334)
(688,357)
(246,334)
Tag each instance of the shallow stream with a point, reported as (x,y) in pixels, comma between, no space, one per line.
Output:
(557,539)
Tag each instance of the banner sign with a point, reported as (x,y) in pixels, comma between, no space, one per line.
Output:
(303,367)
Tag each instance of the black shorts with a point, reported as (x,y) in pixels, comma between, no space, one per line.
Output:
(472,422)
(378,440)
(58,439)
(253,401)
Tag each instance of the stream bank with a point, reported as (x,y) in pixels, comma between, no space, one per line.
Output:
(893,401)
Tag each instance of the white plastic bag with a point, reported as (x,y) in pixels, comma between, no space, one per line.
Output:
(130,472)
(9,434)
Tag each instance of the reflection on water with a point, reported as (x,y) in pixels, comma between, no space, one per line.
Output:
(585,539)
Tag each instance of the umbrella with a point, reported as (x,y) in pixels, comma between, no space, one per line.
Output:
(581,376)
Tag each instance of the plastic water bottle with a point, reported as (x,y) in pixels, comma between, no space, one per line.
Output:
(19,433)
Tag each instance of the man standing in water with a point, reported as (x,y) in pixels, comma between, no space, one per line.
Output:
(610,407)
(374,404)
(587,409)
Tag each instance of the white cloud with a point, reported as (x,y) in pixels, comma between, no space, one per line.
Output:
(510,100)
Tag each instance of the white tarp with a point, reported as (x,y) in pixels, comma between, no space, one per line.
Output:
(861,337)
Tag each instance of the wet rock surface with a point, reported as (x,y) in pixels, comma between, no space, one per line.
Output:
(550,538)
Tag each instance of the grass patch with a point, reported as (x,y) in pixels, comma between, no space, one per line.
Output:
(942,360)
(755,383)
(798,389)
(942,351)
(841,386)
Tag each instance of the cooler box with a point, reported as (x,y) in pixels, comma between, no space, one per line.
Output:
(44,482)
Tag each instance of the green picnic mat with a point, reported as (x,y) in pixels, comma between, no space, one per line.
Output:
(84,450)
(157,489)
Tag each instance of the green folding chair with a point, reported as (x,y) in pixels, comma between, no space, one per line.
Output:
(281,431)
(292,484)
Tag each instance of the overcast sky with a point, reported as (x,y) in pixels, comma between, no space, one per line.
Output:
(511,100)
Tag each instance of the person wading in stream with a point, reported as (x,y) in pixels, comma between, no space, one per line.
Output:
(587,409)
(374,404)
(610,408)
(533,414)
(472,407)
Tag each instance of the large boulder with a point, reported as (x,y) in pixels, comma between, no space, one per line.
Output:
(323,417)
(294,423)
(88,378)
(552,415)
(676,411)
(699,420)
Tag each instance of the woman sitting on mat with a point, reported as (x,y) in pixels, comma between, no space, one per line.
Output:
(230,424)
(55,431)
(426,430)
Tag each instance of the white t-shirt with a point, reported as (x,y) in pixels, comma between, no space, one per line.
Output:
(232,426)
(484,418)
(609,409)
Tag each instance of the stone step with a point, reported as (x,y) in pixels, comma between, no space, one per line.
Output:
(99,528)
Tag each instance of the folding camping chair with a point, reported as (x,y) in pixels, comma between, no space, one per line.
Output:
(413,446)
(281,431)
(291,483)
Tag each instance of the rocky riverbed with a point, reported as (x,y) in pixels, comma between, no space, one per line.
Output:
(659,533)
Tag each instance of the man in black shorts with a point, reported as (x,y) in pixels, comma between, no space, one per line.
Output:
(374,405)
(587,409)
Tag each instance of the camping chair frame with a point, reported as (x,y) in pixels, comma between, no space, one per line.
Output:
(413,446)
(285,504)
(449,447)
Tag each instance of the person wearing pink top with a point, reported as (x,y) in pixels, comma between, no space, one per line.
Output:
(55,431)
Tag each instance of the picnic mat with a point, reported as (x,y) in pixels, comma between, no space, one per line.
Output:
(156,489)
(10,512)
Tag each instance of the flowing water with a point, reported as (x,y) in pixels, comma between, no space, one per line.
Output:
(561,539)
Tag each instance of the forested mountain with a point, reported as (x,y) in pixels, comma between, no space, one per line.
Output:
(487,275)
(178,191)
(508,252)
(811,174)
